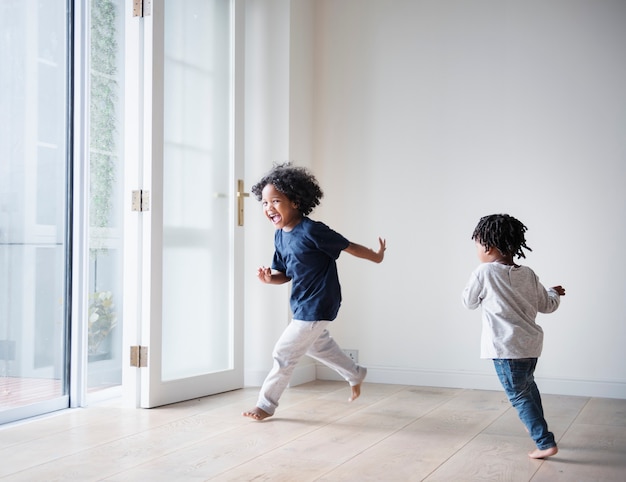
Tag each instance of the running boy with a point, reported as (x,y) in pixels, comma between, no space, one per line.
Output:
(305,254)
(510,296)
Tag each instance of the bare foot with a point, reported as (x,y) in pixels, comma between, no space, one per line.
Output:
(256,414)
(356,392)
(542,454)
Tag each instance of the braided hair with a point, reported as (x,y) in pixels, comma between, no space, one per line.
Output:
(503,232)
(297,183)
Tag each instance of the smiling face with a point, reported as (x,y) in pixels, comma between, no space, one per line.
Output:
(279,209)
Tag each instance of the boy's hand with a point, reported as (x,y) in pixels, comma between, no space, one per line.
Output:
(264,274)
(361,251)
(559,289)
(381,251)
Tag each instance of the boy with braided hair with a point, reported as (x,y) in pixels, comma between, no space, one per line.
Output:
(305,254)
(511,296)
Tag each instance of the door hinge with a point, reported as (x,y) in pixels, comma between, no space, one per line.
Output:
(141,8)
(139,356)
(141,200)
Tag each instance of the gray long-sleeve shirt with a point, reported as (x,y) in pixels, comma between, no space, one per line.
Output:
(510,297)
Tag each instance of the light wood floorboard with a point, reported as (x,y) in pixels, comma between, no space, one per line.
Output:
(391,433)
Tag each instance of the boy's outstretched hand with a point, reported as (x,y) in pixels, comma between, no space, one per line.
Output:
(381,251)
(366,253)
(559,289)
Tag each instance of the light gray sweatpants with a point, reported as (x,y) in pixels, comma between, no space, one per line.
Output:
(305,338)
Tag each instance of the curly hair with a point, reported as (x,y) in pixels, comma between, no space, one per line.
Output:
(297,183)
(503,232)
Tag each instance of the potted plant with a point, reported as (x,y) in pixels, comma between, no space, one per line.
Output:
(102,320)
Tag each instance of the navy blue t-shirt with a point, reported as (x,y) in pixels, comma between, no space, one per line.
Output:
(307,254)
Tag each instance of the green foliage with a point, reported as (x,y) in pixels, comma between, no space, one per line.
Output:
(103,95)
(103,43)
(103,99)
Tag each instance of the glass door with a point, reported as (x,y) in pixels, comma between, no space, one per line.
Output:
(187,232)
(104,155)
(34,208)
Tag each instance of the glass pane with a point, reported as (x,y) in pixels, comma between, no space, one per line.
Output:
(196,315)
(106,74)
(33,162)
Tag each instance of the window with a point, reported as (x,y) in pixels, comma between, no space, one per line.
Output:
(33,207)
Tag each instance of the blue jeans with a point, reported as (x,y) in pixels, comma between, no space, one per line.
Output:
(516,376)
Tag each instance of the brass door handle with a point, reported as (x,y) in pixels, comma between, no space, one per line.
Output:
(240,204)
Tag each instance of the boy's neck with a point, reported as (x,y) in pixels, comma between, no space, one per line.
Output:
(506,260)
(495,256)
(289,228)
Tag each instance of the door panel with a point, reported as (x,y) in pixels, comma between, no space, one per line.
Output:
(196,170)
(189,238)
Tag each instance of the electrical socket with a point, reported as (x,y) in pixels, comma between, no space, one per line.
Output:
(354,354)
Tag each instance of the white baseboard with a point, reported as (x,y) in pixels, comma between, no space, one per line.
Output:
(481,381)
(308,372)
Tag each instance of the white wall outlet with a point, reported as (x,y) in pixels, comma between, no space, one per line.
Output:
(354,354)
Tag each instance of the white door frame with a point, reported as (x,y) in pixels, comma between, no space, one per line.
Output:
(143,387)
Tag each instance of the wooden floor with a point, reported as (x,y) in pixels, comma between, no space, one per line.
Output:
(391,433)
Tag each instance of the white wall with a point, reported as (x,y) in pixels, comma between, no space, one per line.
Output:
(279,117)
(430,114)
(267,138)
